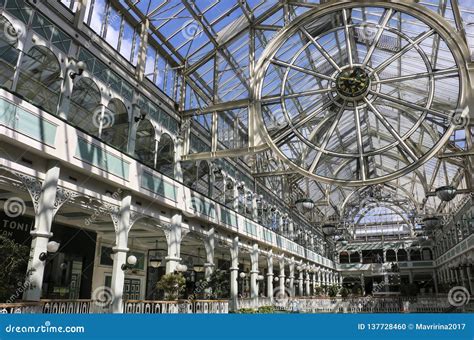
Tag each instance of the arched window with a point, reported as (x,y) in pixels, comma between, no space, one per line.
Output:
(39,81)
(116,133)
(165,156)
(391,256)
(145,143)
(355,257)
(427,254)
(415,255)
(8,52)
(344,257)
(84,109)
(402,255)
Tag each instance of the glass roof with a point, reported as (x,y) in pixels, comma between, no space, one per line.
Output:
(309,109)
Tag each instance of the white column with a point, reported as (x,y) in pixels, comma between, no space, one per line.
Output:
(66,90)
(292,277)
(235,195)
(173,237)
(209,245)
(254,275)
(282,276)
(234,272)
(291,230)
(270,275)
(300,283)
(120,254)
(42,232)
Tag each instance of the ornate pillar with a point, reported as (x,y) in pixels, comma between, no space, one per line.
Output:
(234,272)
(122,224)
(282,277)
(292,277)
(173,237)
(300,281)
(44,195)
(254,275)
(362,283)
(270,275)
(209,245)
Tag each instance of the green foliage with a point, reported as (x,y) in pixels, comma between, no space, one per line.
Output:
(357,289)
(13,265)
(410,289)
(344,292)
(219,284)
(259,310)
(319,291)
(172,285)
(247,311)
(333,290)
(266,309)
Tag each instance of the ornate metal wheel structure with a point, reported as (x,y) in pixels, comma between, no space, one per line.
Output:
(348,100)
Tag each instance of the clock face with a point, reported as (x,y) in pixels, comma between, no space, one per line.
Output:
(358,95)
(352,83)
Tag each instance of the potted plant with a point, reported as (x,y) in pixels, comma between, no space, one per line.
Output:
(172,285)
(219,284)
(332,291)
(344,292)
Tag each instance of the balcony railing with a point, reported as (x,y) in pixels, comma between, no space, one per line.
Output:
(175,307)
(54,307)
(432,304)
(371,305)
(130,307)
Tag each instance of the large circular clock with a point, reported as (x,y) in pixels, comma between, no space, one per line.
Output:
(359,93)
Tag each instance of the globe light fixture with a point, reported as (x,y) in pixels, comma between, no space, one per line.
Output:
(431,222)
(446,193)
(131,262)
(304,204)
(328,229)
(52,247)
(181,268)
